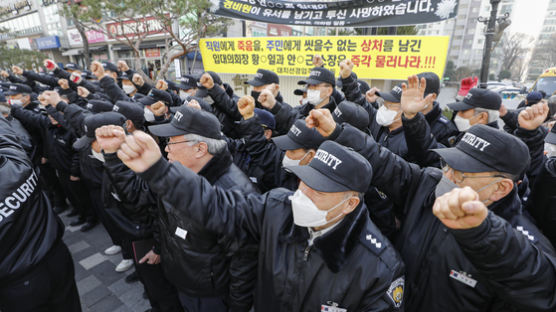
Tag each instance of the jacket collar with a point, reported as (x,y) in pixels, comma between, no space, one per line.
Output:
(216,167)
(434,113)
(508,207)
(336,245)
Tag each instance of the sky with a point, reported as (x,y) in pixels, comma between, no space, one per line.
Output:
(530,18)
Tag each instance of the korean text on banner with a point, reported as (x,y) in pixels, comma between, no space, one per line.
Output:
(375,57)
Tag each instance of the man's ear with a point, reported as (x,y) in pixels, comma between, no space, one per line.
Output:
(353,202)
(483,118)
(434,96)
(201,149)
(329,91)
(504,187)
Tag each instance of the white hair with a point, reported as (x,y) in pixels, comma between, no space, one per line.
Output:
(214,146)
(493,115)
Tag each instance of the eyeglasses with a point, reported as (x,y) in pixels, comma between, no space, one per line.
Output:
(460,176)
(185,141)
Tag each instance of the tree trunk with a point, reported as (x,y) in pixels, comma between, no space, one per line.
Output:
(169,59)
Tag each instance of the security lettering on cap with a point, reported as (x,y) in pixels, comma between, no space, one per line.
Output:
(468,96)
(475,141)
(13,87)
(295,130)
(178,116)
(115,108)
(89,106)
(329,159)
(314,73)
(397,89)
(259,75)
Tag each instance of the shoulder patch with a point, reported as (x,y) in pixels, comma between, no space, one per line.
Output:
(396,290)
(371,241)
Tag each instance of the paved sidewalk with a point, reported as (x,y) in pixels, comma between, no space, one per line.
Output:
(100,287)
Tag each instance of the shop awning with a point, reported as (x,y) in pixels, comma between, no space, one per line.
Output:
(72,52)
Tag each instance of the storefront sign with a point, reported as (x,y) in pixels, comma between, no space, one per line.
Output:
(134,28)
(375,57)
(50,42)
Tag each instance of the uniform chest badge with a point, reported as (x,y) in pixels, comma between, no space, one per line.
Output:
(331,307)
(463,278)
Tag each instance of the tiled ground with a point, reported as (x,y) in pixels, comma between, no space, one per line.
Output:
(100,287)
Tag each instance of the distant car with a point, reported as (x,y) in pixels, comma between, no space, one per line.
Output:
(496,84)
(511,96)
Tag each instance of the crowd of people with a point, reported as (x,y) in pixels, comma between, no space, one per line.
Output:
(354,199)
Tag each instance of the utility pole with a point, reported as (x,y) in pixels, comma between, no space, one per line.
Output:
(489,36)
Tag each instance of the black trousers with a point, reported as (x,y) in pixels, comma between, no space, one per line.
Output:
(77,194)
(48,287)
(162,295)
(52,185)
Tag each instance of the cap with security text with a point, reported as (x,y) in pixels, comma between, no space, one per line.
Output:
(484,149)
(299,136)
(335,168)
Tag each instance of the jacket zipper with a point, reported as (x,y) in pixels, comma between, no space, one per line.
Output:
(306,253)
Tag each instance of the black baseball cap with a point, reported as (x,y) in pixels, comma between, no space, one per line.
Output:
(433,82)
(187,82)
(161,95)
(188,120)
(92,122)
(335,168)
(551,136)
(18,88)
(300,91)
(534,97)
(266,118)
(99,106)
(319,75)
(124,76)
(202,91)
(394,96)
(478,98)
(71,66)
(110,66)
(483,149)
(299,136)
(263,77)
(351,113)
(132,111)
(173,86)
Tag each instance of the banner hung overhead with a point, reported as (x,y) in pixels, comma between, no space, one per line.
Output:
(355,13)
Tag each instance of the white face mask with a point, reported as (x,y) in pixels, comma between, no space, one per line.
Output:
(16,102)
(313,97)
(128,89)
(462,124)
(306,213)
(149,116)
(287,162)
(97,156)
(183,95)
(550,149)
(385,116)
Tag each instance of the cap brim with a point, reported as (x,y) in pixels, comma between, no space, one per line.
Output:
(312,82)
(11,92)
(166,130)
(459,106)
(387,96)
(550,138)
(255,83)
(284,143)
(82,142)
(299,91)
(316,180)
(460,161)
